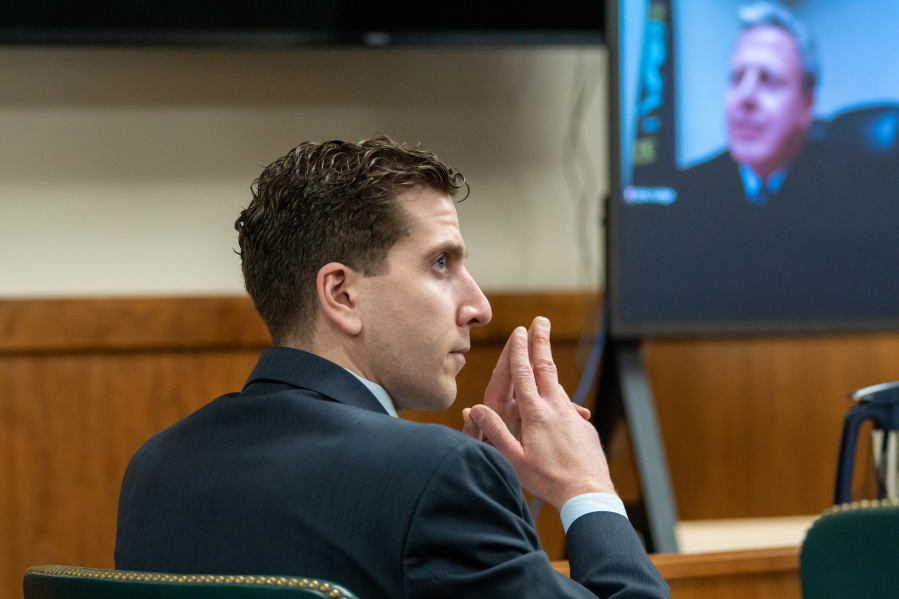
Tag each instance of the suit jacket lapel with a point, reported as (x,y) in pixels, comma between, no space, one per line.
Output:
(308,371)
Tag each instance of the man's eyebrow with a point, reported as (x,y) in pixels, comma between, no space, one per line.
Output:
(453,249)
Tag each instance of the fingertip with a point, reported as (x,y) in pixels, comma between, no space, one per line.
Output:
(541,330)
(520,339)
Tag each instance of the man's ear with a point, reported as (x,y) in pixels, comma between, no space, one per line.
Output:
(337,287)
(808,116)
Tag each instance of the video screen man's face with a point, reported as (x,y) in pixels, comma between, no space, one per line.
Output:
(768,108)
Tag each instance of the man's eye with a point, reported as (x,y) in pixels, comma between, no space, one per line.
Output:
(441,263)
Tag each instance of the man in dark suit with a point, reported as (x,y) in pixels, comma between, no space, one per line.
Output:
(353,257)
(714,255)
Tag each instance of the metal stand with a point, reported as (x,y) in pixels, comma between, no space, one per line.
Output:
(624,391)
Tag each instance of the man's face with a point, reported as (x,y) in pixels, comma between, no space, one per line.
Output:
(416,318)
(768,109)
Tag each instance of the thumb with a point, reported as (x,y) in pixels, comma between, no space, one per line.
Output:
(470,428)
(584,412)
(496,431)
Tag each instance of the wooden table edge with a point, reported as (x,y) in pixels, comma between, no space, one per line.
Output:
(675,566)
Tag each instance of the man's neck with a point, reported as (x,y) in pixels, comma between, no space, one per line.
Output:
(326,346)
(336,353)
(379,392)
(781,160)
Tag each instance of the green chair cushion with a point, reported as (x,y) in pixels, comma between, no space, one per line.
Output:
(852,552)
(63,582)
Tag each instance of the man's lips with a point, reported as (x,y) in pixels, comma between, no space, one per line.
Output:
(746,129)
(459,353)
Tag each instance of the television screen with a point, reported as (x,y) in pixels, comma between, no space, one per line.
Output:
(755,184)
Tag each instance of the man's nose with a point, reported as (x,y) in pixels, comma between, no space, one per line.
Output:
(748,87)
(475,310)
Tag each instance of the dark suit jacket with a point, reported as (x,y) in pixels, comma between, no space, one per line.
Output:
(815,252)
(303,473)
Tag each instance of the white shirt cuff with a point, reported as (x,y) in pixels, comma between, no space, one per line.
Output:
(588,503)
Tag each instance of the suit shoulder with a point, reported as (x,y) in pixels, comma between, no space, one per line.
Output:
(465,467)
(702,185)
(437,439)
(719,165)
(439,453)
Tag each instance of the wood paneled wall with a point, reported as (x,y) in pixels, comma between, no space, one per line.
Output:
(83,383)
(751,426)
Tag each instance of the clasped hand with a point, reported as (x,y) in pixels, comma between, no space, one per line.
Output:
(529,418)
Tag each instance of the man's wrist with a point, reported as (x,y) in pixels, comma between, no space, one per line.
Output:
(582,487)
(588,503)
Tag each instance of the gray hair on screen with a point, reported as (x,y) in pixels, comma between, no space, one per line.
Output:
(771,13)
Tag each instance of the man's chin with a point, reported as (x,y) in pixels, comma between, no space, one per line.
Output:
(434,401)
(754,157)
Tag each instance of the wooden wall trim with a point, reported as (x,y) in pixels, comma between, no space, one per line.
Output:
(35,326)
(129,324)
(570,312)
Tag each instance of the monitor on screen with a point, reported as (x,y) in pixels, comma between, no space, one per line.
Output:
(755,184)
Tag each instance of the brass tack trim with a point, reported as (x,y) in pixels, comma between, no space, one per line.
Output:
(312,584)
(864,504)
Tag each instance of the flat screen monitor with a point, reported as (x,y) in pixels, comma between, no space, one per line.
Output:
(755,175)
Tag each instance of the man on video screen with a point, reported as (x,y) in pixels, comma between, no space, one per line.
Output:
(764,229)
(768,104)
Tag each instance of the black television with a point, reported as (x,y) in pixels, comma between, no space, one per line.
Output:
(287,23)
(755,167)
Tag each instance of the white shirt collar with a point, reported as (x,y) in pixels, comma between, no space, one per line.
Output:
(378,391)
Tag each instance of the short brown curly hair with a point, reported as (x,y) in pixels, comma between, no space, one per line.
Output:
(333,201)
